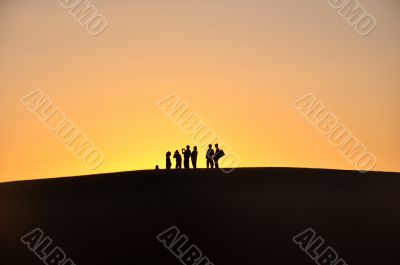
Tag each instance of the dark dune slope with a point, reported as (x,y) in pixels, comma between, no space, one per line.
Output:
(247,217)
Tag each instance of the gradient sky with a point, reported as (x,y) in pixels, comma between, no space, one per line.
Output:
(238,64)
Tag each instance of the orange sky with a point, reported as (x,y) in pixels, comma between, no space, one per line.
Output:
(238,64)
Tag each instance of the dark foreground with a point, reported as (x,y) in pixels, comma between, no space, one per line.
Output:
(248,217)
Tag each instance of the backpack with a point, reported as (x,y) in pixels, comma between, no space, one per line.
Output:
(219,154)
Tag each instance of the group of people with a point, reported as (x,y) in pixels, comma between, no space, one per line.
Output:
(212,157)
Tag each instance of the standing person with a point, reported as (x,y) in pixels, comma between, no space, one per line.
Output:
(168,163)
(186,157)
(209,157)
(178,159)
(194,157)
(218,154)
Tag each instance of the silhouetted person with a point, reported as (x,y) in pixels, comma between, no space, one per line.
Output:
(157,168)
(178,159)
(168,163)
(186,157)
(209,157)
(194,157)
(218,154)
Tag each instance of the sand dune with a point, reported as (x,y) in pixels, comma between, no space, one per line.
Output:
(247,217)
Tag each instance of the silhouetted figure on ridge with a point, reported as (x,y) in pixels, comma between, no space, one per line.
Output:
(178,159)
(218,154)
(209,157)
(168,163)
(194,157)
(186,156)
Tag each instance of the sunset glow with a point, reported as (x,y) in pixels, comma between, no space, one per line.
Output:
(238,65)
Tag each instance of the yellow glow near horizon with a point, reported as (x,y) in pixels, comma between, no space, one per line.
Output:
(238,65)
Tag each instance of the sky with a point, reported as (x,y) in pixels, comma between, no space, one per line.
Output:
(238,65)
